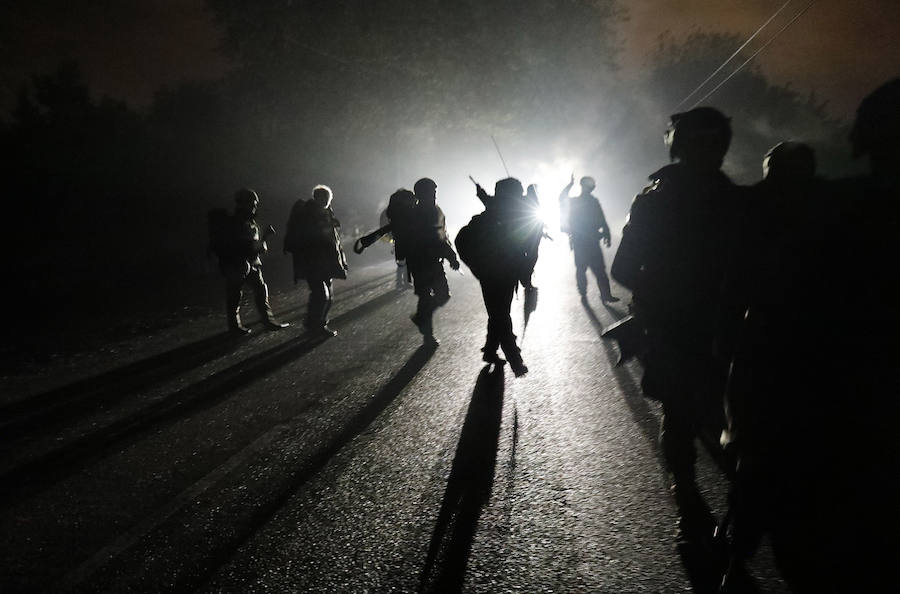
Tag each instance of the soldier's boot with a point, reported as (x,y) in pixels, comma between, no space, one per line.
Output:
(696,522)
(489,350)
(491,357)
(265,312)
(233,307)
(423,318)
(514,357)
(234,323)
(325,330)
(606,295)
(581,282)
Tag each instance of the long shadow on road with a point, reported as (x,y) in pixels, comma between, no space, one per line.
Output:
(286,484)
(59,407)
(699,556)
(468,488)
(643,415)
(45,469)
(51,409)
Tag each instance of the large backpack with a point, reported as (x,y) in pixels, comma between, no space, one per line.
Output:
(487,247)
(221,238)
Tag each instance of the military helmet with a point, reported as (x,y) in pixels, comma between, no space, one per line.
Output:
(400,204)
(789,160)
(322,193)
(509,187)
(424,187)
(587,183)
(701,126)
(877,124)
(245,197)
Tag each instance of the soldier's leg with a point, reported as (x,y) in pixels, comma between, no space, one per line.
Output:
(423,317)
(677,439)
(505,327)
(492,341)
(581,265)
(315,308)
(234,281)
(598,267)
(261,293)
(440,288)
(329,297)
(423,278)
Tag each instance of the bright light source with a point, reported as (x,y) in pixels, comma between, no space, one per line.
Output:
(550,178)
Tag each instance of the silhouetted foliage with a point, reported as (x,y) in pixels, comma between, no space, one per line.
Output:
(762,113)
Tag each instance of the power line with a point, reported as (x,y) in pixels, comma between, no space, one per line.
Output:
(732,56)
(756,53)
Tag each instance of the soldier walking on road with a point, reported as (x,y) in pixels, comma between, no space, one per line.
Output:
(428,247)
(586,225)
(673,256)
(784,265)
(495,246)
(314,238)
(237,242)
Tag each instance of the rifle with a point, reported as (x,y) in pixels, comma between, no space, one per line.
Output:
(366,240)
(631,337)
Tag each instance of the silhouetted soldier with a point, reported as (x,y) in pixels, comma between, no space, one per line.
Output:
(397,221)
(673,256)
(783,268)
(314,238)
(240,262)
(495,246)
(587,227)
(533,212)
(855,489)
(427,248)
(401,214)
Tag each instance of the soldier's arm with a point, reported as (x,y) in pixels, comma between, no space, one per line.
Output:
(565,223)
(334,220)
(564,195)
(447,250)
(482,194)
(630,258)
(603,226)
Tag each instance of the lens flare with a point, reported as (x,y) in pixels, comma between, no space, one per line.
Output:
(550,178)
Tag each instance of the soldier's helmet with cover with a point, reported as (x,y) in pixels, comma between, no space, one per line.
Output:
(425,187)
(587,184)
(509,187)
(322,195)
(789,161)
(245,197)
(702,128)
(400,204)
(876,130)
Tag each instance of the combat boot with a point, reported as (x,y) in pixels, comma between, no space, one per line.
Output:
(234,324)
(273,324)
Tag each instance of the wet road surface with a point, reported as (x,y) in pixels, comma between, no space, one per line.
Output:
(189,460)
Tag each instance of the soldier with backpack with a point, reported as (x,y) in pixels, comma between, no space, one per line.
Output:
(314,239)
(495,246)
(428,247)
(236,241)
(419,230)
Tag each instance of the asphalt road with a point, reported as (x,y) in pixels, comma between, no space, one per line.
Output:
(188,460)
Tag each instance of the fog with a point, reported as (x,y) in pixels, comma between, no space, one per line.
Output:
(366,97)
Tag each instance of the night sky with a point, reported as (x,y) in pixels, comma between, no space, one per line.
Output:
(130,48)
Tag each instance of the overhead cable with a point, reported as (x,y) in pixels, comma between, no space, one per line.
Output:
(756,53)
(732,56)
